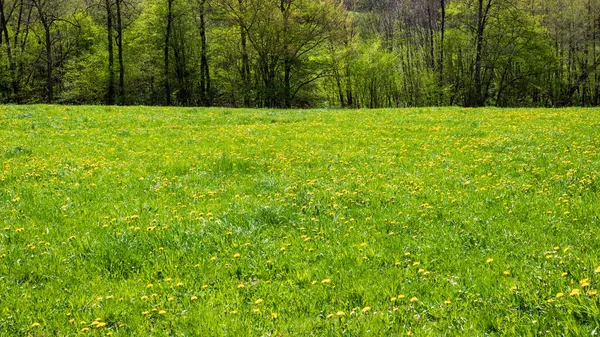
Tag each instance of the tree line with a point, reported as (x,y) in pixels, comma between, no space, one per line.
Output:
(301,53)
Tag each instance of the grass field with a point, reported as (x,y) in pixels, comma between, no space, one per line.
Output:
(219,222)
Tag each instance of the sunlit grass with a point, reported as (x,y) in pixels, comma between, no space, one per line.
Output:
(219,222)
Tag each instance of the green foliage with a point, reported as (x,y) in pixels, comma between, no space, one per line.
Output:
(272,53)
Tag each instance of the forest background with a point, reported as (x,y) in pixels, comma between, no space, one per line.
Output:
(301,53)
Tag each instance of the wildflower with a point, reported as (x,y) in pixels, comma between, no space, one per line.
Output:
(236,255)
(85,329)
(447,302)
(193,298)
(506,273)
(35,324)
(592,293)
(330,315)
(585,282)
(575,292)
(489,260)
(273,315)
(162,312)
(597,270)
(258,301)
(340,314)
(326,281)
(366,309)
(414,299)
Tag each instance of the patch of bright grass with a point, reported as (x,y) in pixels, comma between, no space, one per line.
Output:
(218,222)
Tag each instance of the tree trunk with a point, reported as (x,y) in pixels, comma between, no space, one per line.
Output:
(478,57)
(110,98)
(443,35)
(166,51)
(49,61)
(287,63)
(245,64)
(121,92)
(11,61)
(204,70)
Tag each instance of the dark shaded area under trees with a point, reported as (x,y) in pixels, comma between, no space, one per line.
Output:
(301,53)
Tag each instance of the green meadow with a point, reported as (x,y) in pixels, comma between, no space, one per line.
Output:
(144,221)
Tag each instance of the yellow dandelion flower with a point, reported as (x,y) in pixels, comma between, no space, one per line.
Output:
(585,282)
(193,298)
(85,329)
(506,272)
(236,255)
(170,299)
(258,301)
(274,315)
(340,314)
(564,274)
(35,324)
(447,302)
(597,270)
(326,281)
(366,309)
(144,313)
(100,325)
(490,260)
(414,299)
(179,284)
(401,296)
(162,312)
(330,316)
(233,312)
(143,298)
(149,285)
(592,293)
(575,292)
